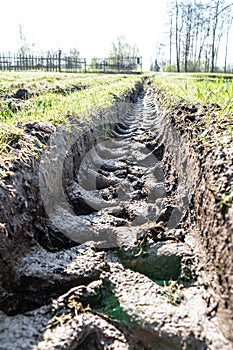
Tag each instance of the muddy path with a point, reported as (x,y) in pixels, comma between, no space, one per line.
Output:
(114,261)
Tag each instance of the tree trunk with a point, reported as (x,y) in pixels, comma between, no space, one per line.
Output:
(226,52)
(170,43)
(177,40)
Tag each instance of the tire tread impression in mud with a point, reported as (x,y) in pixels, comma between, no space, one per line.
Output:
(114,266)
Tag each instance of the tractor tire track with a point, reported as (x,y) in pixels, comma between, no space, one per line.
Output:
(135,266)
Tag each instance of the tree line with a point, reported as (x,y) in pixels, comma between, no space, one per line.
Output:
(123,57)
(121,50)
(196,32)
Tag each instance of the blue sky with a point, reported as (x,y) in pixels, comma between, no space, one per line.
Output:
(89,25)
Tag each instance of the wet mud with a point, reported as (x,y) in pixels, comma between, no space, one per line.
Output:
(104,244)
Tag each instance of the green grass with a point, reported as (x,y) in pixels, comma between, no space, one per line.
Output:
(56,98)
(199,88)
(210,96)
(53,98)
(226,201)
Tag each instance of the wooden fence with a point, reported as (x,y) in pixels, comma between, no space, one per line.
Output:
(51,63)
(59,63)
(116,65)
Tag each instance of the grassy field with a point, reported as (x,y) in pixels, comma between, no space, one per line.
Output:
(202,104)
(55,98)
(199,88)
(210,100)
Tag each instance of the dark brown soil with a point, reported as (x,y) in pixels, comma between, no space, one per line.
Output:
(212,148)
(123,240)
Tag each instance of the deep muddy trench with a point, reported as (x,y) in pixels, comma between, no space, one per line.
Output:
(114,262)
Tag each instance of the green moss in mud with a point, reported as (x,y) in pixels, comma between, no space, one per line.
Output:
(114,310)
(147,262)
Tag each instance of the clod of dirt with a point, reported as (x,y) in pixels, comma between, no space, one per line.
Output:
(22,94)
(41,275)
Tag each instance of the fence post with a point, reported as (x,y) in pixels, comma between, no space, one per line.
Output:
(141,63)
(59,60)
(85,65)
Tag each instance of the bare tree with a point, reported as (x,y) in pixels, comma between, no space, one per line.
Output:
(24,48)
(214,30)
(74,53)
(229,24)
(203,28)
(178,31)
(123,55)
(218,26)
(122,49)
(170,35)
(198,28)
(188,14)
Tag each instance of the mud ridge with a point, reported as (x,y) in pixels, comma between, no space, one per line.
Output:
(106,254)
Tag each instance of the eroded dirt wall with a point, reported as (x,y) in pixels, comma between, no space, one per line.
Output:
(212,179)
